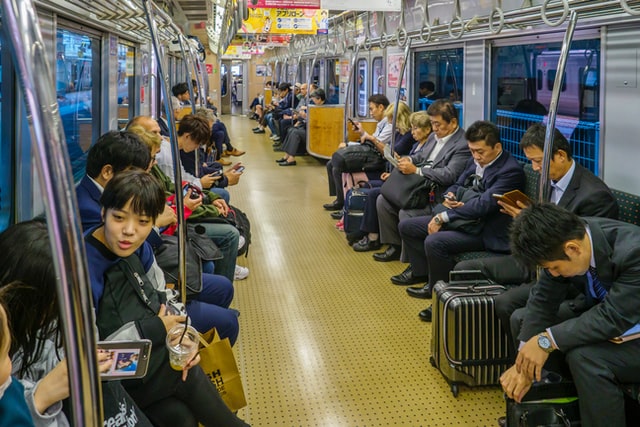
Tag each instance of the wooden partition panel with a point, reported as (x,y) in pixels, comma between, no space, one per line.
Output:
(268,96)
(325,129)
(368,125)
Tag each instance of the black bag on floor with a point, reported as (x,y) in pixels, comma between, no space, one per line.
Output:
(238,219)
(546,404)
(468,343)
(354,203)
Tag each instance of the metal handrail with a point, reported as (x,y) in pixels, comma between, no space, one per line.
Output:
(150,10)
(348,90)
(57,189)
(544,191)
(397,103)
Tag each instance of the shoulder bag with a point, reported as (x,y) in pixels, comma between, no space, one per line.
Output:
(409,191)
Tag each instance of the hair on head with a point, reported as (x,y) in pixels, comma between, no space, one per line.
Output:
(482,130)
(443,108)
(535,135)
(142,189)
(539,232)
(120,149)
(379,99)
(197,127)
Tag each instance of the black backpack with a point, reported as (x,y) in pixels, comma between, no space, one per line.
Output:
(241,221)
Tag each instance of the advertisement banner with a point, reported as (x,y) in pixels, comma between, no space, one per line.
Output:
(363,5)
(284,4)
(286,21)
(235,52)
(394,64)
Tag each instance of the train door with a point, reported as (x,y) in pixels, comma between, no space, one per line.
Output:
(126,89)
(332,80)
(77,71)
(438,74)
(377,75)
(225,87)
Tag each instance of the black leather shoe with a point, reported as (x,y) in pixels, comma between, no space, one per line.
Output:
(281,160)
(336,214)
(287,163)
(391,254)
(407,278)
(423,292)
(333,206)
(366,245)
(354,237)
(426,314)
(502,421)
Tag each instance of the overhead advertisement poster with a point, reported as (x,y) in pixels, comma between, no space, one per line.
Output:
(284,4)
(285,21)
(364,5)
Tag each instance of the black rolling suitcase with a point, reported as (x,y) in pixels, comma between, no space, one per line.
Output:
(468,343)
(354,208)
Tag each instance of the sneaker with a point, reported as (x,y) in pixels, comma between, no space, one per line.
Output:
(241,242)
(255,129)
(259,131)
(274,137)
(241,273)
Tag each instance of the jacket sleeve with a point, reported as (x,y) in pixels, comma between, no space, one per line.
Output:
(52,416)
(452,169)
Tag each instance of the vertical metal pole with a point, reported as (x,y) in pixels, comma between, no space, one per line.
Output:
(544,192)
(395,107)
(177,172)
(348,90)
(20,22)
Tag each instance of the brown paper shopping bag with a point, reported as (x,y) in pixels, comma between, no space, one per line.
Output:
(218,362)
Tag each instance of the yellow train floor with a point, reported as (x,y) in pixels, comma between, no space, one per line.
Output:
(325,338)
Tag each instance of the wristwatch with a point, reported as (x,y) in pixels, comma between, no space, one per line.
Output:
(437,220)
(545,343)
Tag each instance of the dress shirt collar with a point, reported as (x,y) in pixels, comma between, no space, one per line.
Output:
(98,186)
(480,170)
(562,184)
(446,138)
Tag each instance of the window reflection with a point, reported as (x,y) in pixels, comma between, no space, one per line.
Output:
(77,62)
(377,78)
(362,105)
(522,83)
(126,67)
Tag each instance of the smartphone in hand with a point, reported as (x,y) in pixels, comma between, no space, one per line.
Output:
(130,358)
(239,169)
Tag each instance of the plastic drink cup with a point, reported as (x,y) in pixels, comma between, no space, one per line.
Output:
(181,352)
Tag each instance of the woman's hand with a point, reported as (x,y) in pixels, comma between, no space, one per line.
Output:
(169,320)
(406,166)
(190,203)
(193,362)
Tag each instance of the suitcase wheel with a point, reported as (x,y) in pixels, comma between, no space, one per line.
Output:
(454,390)
(432,361)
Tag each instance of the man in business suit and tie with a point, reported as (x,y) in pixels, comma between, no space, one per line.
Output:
(574,188)
(432,242)
(441,161)
(601,257)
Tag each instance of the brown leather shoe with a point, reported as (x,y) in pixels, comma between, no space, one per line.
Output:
(236,152)
(224,162)
(225,153)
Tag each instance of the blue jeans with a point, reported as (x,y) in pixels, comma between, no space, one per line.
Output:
(210,308)
(222,193)
(226,236)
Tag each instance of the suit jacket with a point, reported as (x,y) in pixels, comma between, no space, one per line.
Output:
(448,164)
(504,175)
(617,257)
(587,195)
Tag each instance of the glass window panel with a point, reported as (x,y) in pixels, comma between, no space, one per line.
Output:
(333,81)
(444,68)
(362,106)
(126,85)
(77,88)
(377,79)
(522,80)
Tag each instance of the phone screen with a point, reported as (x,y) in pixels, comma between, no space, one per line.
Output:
(130,358)
(239,169)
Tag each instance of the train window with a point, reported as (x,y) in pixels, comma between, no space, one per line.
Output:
(77,89)
(126,86)
(223,76)
(377,75)
(362,106)
(333,81)
(315,75)
(522,79)
(438,74)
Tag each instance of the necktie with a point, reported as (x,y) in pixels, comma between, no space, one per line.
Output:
(596,289)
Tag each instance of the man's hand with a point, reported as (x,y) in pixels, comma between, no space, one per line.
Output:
(169,320)
(433,228)
(384,176)
(511,210)
(232,177)
(406,166)
(531,359)
(167,217)
(222,206)
(208,180)
(514,384)
(451,202)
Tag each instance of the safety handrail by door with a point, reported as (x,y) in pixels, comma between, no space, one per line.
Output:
(403,66)
(61,207)
(149,11)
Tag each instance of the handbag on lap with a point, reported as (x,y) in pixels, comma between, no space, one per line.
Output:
(409,191)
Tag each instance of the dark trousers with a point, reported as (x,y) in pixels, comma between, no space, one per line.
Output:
(370,217)
(432,254)
(597,371)
(335,167)
(195,399)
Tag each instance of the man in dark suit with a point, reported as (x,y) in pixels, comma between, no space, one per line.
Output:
(432,242)
(427,90)
(574,188)
(441,161)
(601,257)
